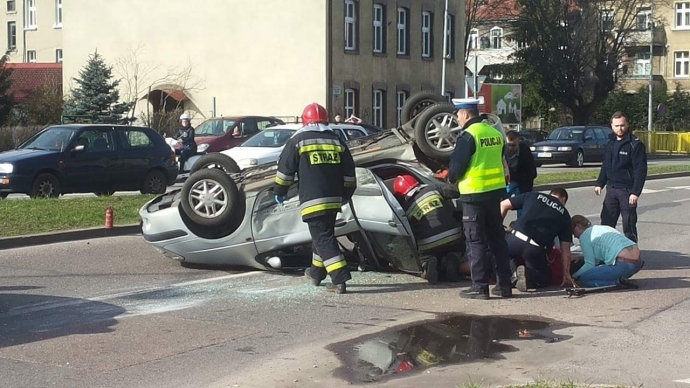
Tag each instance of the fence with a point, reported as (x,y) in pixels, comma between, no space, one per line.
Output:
(665,142)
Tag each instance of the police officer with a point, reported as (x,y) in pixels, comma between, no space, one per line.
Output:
(544,217)
(186,135)
(623,172)
(326,181)
(433,225)
(477,164)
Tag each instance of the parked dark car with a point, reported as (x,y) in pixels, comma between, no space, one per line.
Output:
(222,133)
(88,158)
(531,136)
(573,145)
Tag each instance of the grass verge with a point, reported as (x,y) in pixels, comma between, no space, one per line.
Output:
(22,217)
(589,175)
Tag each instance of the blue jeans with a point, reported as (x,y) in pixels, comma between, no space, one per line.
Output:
(514,190)
(609,275)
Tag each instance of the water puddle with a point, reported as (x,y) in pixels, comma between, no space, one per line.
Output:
(457,339)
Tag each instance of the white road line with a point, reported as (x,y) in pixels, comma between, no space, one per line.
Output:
(684,381)
(682,200)
(652,191)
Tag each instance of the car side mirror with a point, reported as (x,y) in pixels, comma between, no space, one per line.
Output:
(78,148)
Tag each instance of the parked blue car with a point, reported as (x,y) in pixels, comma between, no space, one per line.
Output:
(88,158)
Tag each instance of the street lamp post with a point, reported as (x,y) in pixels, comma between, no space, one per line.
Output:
(651,73)
(445,50)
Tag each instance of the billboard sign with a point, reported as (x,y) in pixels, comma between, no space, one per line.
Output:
(503,100)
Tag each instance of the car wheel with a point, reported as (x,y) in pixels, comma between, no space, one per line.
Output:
(3,195)
(437,130)
(417,103)
(579,160)
(210,198)
(215,160)
(154,183)
(45,185)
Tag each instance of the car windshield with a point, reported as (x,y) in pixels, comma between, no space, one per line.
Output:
(51,139)
(270,138)
(215,127)
(566,134)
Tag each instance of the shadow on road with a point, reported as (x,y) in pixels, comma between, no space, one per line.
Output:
(18,288)
(664,205)
(30,318)
(665,260)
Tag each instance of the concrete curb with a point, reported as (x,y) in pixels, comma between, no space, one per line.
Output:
(135,229)
(69,235)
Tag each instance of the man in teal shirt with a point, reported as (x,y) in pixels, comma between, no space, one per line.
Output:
(610,258)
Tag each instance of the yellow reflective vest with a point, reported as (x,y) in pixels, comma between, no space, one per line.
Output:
(485,172)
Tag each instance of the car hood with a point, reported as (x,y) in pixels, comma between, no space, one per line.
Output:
(556,143)
(261,154)
(19,155)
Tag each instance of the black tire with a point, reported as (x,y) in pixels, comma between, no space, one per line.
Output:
(444,148)
(45,185)
(215,160)
(4,195)
(579,159)
(154,183)
(210,179)
(417,103)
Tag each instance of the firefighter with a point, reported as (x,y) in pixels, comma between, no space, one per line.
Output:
(326,182)
(477,165)
(433,226)
(185,135)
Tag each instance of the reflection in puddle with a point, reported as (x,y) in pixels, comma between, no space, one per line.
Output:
(453,340)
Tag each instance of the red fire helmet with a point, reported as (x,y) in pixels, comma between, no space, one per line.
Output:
(314,114)
(403,184)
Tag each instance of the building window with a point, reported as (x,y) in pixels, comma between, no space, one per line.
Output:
(11,6)
(496,37)
(644,18)
(378,107)
(403,31)
(427,34)
(58,13)
(350,25)
(683,15)
(607,20)
(30,21)
(682,64)
(473,43)
(401,99)
(450,32)
(350,102)
(58,55)
(643,62)
(31,56)
(11,35)
(379,22)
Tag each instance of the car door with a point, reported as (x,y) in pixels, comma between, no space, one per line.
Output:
(589,145)
(601,138)
(136,156)
(383,220)
(91,168)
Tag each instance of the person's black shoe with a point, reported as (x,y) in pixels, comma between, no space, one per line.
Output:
(475,293)
(627,283)
(432,270)
(502,292)
(521,279)
(337,288)
(314,281)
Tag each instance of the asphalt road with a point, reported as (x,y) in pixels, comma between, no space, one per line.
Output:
(115,313)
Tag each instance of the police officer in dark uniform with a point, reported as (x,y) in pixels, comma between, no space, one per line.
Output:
(544,217)
(186,135)
(326,181)
(623,172)
(434,227)
(477,164)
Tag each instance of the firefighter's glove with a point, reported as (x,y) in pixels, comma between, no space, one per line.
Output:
(280,199)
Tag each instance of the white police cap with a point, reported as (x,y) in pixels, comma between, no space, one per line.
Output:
(466,103)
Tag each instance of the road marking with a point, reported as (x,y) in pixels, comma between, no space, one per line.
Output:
(652,191)
(682,200)
(684,381)
(679,187)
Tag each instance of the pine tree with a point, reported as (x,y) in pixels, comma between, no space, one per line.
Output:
(6,99)
(97,95)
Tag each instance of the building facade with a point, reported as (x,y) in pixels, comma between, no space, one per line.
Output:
(33,30)
(235,57)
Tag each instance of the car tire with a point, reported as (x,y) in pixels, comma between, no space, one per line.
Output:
(437,142)
(210,198)
(45,185)
(418,103)
(215,160)
(579,159)
(154,183)
(4,195)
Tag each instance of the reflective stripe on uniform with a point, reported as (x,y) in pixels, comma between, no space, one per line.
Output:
(425,204)
(439,239)
(309,142)
(321,204)
(320,147)
(349,181)
(335,263)
(284,179)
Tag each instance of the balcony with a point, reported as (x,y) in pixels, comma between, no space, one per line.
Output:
(637,38)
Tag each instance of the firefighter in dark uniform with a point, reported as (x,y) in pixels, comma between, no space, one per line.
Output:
(477,164)
(433,226)
(544,217)
(326,181)
(186,135)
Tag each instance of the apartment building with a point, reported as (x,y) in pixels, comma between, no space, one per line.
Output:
(33,30)
(356,57)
